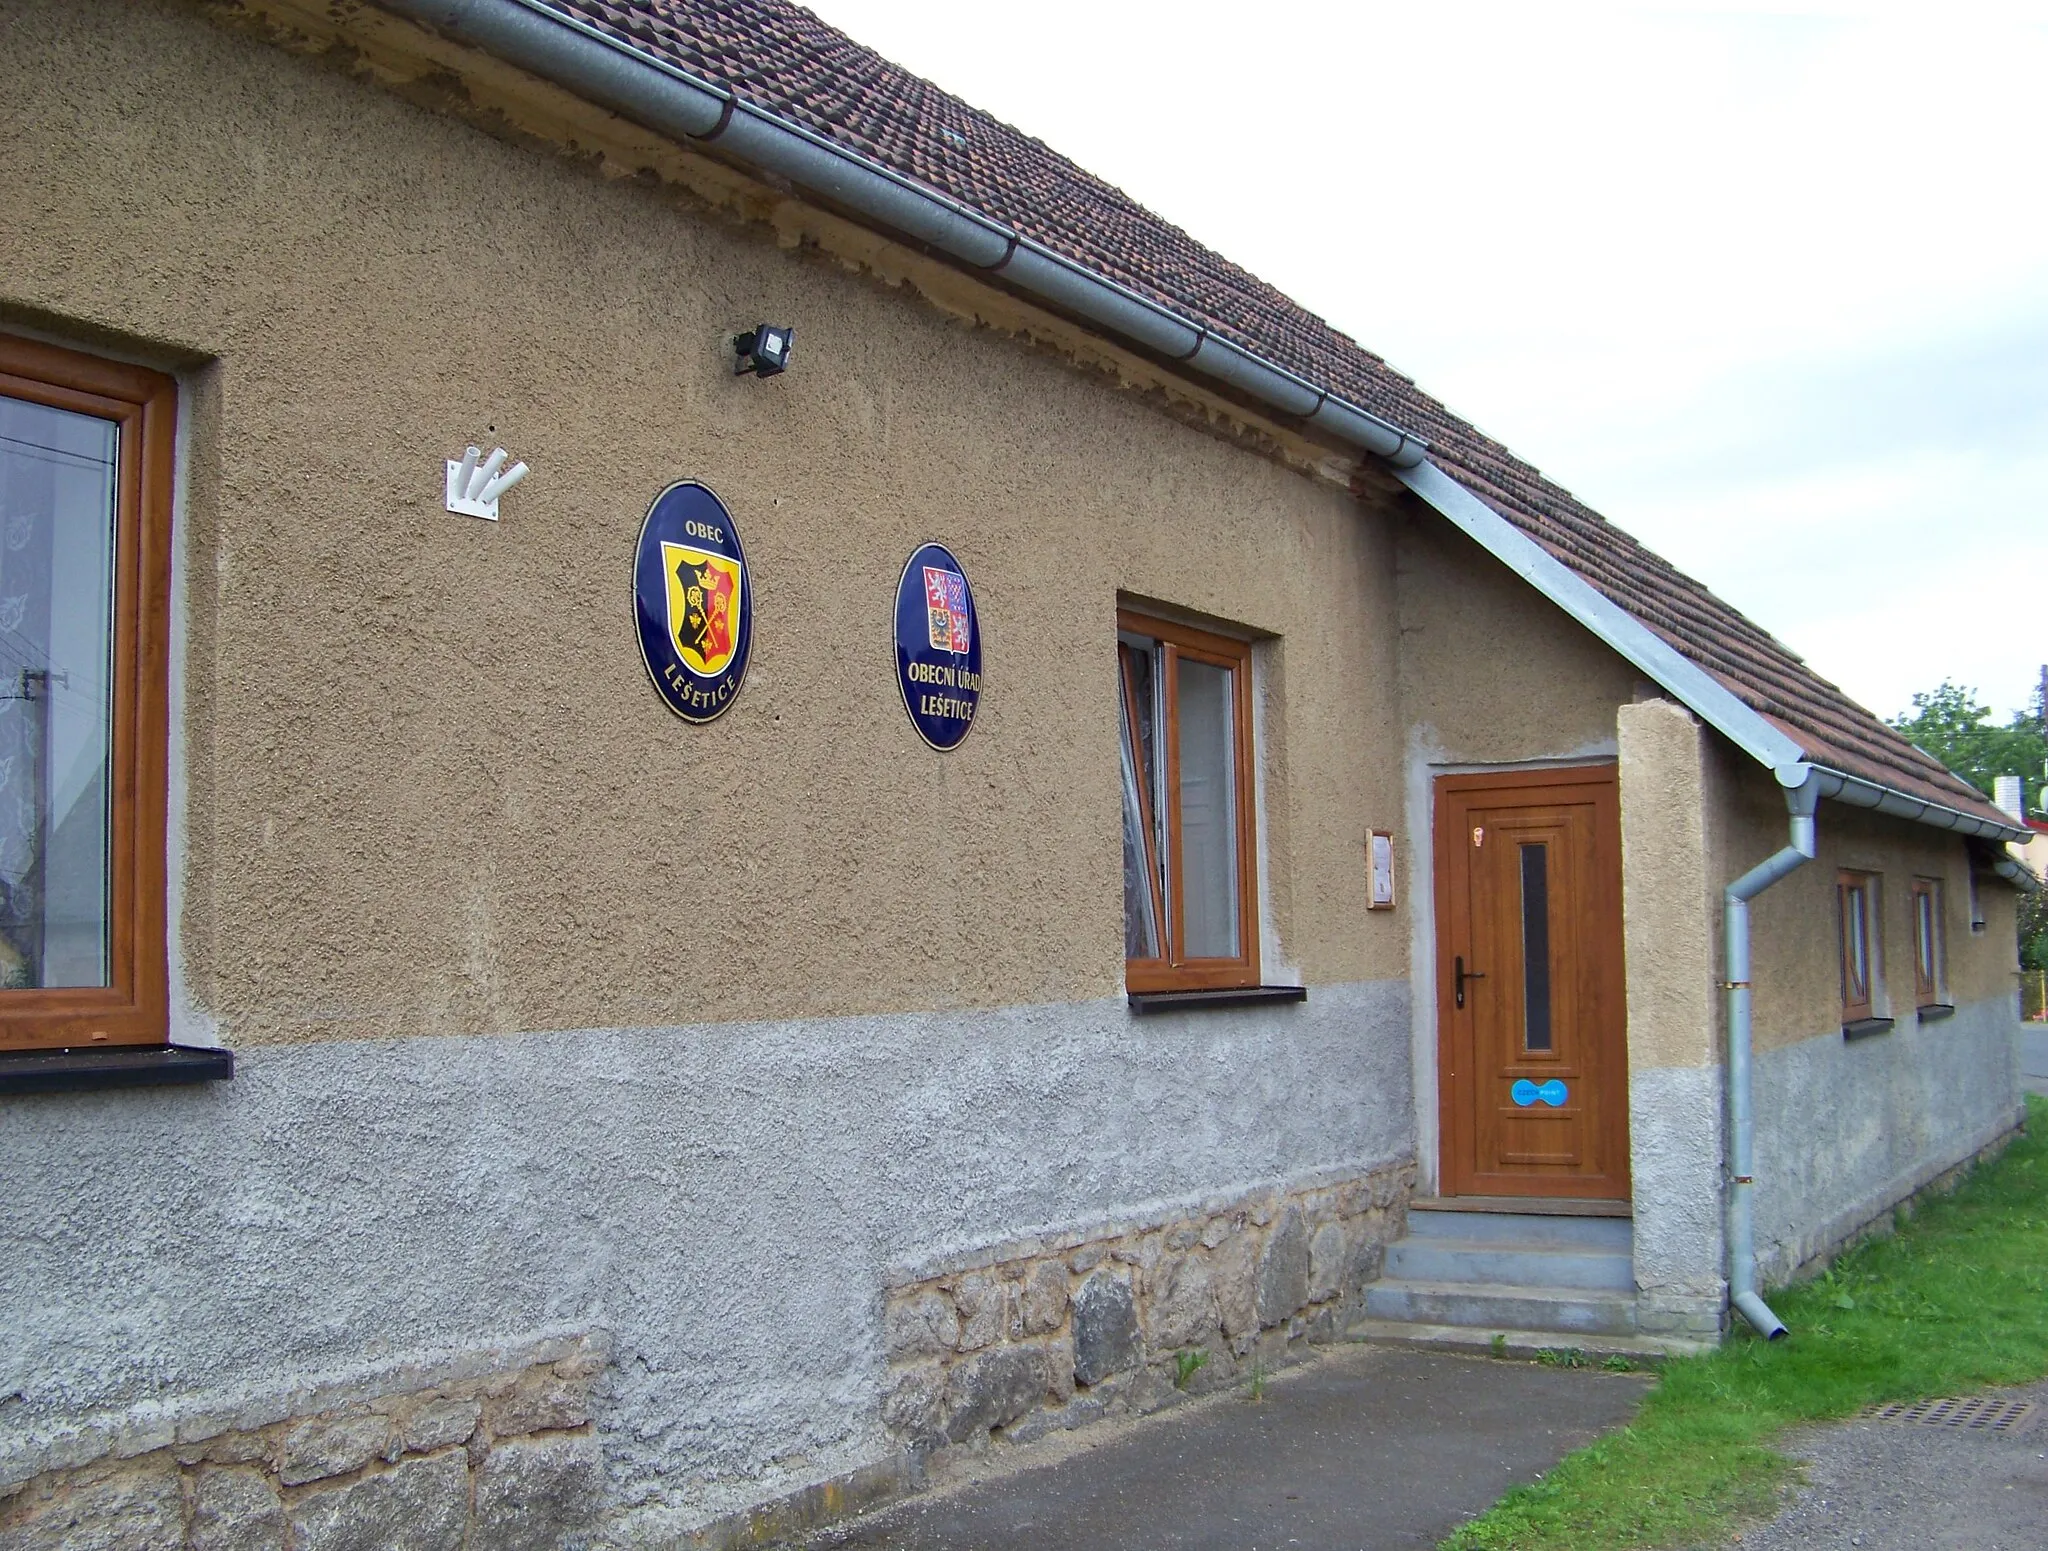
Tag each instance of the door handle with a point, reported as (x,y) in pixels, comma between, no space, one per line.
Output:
(1459,976)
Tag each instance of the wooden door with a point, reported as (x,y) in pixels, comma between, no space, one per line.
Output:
(1531,1014)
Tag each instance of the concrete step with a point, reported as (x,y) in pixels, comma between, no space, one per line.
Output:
(1478,1341)
(1505,1261)
(1525,1228)
(1494,1306)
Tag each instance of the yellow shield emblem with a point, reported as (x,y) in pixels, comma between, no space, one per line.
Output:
(703,606)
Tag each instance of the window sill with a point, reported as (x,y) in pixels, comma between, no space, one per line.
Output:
(1934,1012)
(74,1069)
(1863,1028)
(1230,996)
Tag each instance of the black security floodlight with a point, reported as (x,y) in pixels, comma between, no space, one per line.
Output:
(764,352)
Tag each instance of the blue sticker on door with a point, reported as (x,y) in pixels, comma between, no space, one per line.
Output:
(938,647)
(1525,1092)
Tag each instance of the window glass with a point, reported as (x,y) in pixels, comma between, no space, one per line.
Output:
(1208,814)
(1857,931)
(1186,819)
(57,516)
(1857,892)
(1141,912)
(1536,946)
(1927,946)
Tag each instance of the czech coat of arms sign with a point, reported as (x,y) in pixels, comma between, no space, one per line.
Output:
(938,647)
(694,601)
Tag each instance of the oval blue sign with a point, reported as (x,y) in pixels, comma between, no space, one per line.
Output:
(938,647)
(1525,1092)
(694,601)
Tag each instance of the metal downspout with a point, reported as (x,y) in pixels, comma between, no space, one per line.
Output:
(1801,799)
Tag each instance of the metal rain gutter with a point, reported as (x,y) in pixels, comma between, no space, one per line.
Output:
(673,102)
(2017,873)
(650,91)
(1859,793)
(1805,785)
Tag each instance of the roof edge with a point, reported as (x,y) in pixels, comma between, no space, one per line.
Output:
(1861,793)
(614,74)
(1699,691)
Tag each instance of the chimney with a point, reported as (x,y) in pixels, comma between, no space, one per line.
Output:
(2005,791)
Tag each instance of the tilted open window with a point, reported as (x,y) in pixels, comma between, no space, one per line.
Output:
(1930,949)
(1190,867)
(1857,905)
(85,504)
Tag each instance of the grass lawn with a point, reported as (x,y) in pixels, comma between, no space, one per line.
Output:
(1956,1300)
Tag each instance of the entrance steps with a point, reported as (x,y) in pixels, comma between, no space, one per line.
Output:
(1539,1279)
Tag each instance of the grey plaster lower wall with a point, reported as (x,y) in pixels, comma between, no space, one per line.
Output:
(725,1202)
(1845,1129)
(1675,1165)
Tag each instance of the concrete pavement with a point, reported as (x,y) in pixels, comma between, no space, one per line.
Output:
(1363,1449)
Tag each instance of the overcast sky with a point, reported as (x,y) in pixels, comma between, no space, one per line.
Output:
(1765,284)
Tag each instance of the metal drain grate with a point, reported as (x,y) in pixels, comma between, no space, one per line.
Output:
(1980,1413)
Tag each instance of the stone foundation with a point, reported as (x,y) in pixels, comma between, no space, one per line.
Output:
(506,1460)
(1011,1342)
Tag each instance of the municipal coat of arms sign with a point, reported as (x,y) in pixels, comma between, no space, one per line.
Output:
(694,601)
(938,647)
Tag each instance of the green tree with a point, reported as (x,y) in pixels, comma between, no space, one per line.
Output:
(1956,729)
(2034,931)
(1950,724)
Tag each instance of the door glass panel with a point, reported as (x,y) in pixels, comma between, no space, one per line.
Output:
(1141,920)
(1536,947)
(1208,813)
(57,507)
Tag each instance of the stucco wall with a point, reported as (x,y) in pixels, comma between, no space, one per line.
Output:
(1491,671)
(1490,674)
(722,1203)
(1794,924)
(429,787)
(1669,930)
(1846,1129)
(823,1001)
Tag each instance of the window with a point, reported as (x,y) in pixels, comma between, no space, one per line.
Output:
(85,491)
(1930,971)
(1857,895)
(1190,895)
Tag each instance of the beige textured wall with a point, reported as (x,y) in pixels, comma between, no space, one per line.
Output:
(1490,669)
(430,789)
(1794,926)
(1668,915)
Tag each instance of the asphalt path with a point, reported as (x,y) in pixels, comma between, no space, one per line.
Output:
(1362,1449)
(1881,1485)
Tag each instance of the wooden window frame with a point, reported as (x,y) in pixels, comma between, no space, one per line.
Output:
(1857,1009)
(1171,970)
(1931,955)
(134,1007)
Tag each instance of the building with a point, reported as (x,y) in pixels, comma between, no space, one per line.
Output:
(672,1093)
